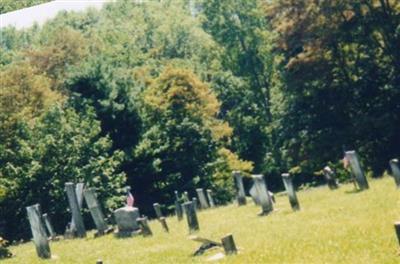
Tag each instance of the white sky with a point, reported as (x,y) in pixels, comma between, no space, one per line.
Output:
(26,17)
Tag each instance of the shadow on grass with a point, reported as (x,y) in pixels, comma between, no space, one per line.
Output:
(353,191)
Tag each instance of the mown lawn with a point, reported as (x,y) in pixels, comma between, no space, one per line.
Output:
(339,226)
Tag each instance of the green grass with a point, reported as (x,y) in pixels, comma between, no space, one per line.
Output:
(332,227)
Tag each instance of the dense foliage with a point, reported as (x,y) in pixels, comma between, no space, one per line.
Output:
(174,95)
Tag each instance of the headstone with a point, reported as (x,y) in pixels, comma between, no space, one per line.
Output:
(191,217)
(157,208)
(394,165)
(185,196)
(330,178)
(99,261)
(195,203)
(95,211)
(164,225)
(178,208)
(356,169)
(254,194)
(202,198)
(397,229)
(144,226)
(126,219)
(262,194)
(49,226)
(229,245)
(241,196)
(38,231)
(75,210)
(288,182)
(210,198)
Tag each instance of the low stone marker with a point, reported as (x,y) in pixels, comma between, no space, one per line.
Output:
(394,165)
(178,207)
(164,225)
(38,231)
(157,209)
(191,217)
(288,182)
(144,227)
(49,226)
(99,261)
(202,198)
(77,221)
(241,196)
(254,194)
(397,229)
(210,198)
(229,245)
(262,194)
(356,169)
(330,178)
(126,219)
(95,211)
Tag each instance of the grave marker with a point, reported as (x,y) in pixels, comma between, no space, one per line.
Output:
(195,203)
(144,226)
(185,196)
(191,216)
(178,208)
(229,245)
(394,165)
(38,231)
(157,209)
(164,225)
(397,230)
(126,219)
(202,198)
(356,169)
(241,196)
(288,182)
(330,178)
(262,194)
(49,226)
(77,220)
(210,198)
(95,211)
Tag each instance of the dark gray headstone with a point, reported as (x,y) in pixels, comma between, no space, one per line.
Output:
(178,207)
(191,216)
(157,209)
(95,210)
(144,226)
(241,196)
(164,225)
(126,220)
(397,230)
(49,226)
(202,198)
(330,178)
(195,203)
(210,198)
(75,210)
(288,182)
(394,165)
(262,194)
(356,169)
(254,194)
(186,196)
(38,231)
(229,245)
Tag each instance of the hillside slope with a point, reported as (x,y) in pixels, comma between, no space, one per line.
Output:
(339,226)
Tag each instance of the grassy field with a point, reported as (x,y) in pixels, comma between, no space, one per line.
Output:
(339,226)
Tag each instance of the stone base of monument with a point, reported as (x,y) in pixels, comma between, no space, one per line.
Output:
(126,234)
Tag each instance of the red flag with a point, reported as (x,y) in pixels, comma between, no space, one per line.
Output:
(130,200)
(345,162)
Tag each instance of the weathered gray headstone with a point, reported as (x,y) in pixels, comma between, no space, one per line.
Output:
(195,203)
(178,207)
(164,225)
(186,196)
(288,182)
(229,245)
(241,196)
(75,210)
(38,231)
(191,217)
(49,226)
(330,178)
(202,198)
(397,230)
(210,198)
(254,194)
(144,226)
(356,169)
(126,219)
(262,194)
(95,211)
(157,209)
(394,165)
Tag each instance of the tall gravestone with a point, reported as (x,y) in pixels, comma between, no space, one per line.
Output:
(157,209)
(95,211)
(178,207)
(75,210)
(288,182)
(49,226)
(262,194)
(38,231)
(186,196)
(241,196)
(202,198)
(126,219)
(330,178)
(394,165)
(356,169)
(191,217)
(195,203)
(210,198)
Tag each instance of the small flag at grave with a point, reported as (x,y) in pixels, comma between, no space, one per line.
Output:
(345,162)
(129,199)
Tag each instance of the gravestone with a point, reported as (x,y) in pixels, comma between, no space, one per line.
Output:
(185,196)
(254,194)
(229,245)
(49,226)
(95,211)
(394,165)
(356,169)
(77,220)
(397,230)
(38,231)
(144,226)
(195,203)
(288,182)
(126,220)
(191,216)
(262,194)
(202,198)
(164,225)
(210,198)
(178,207)
(330,178)
(241,196)
(157,209)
